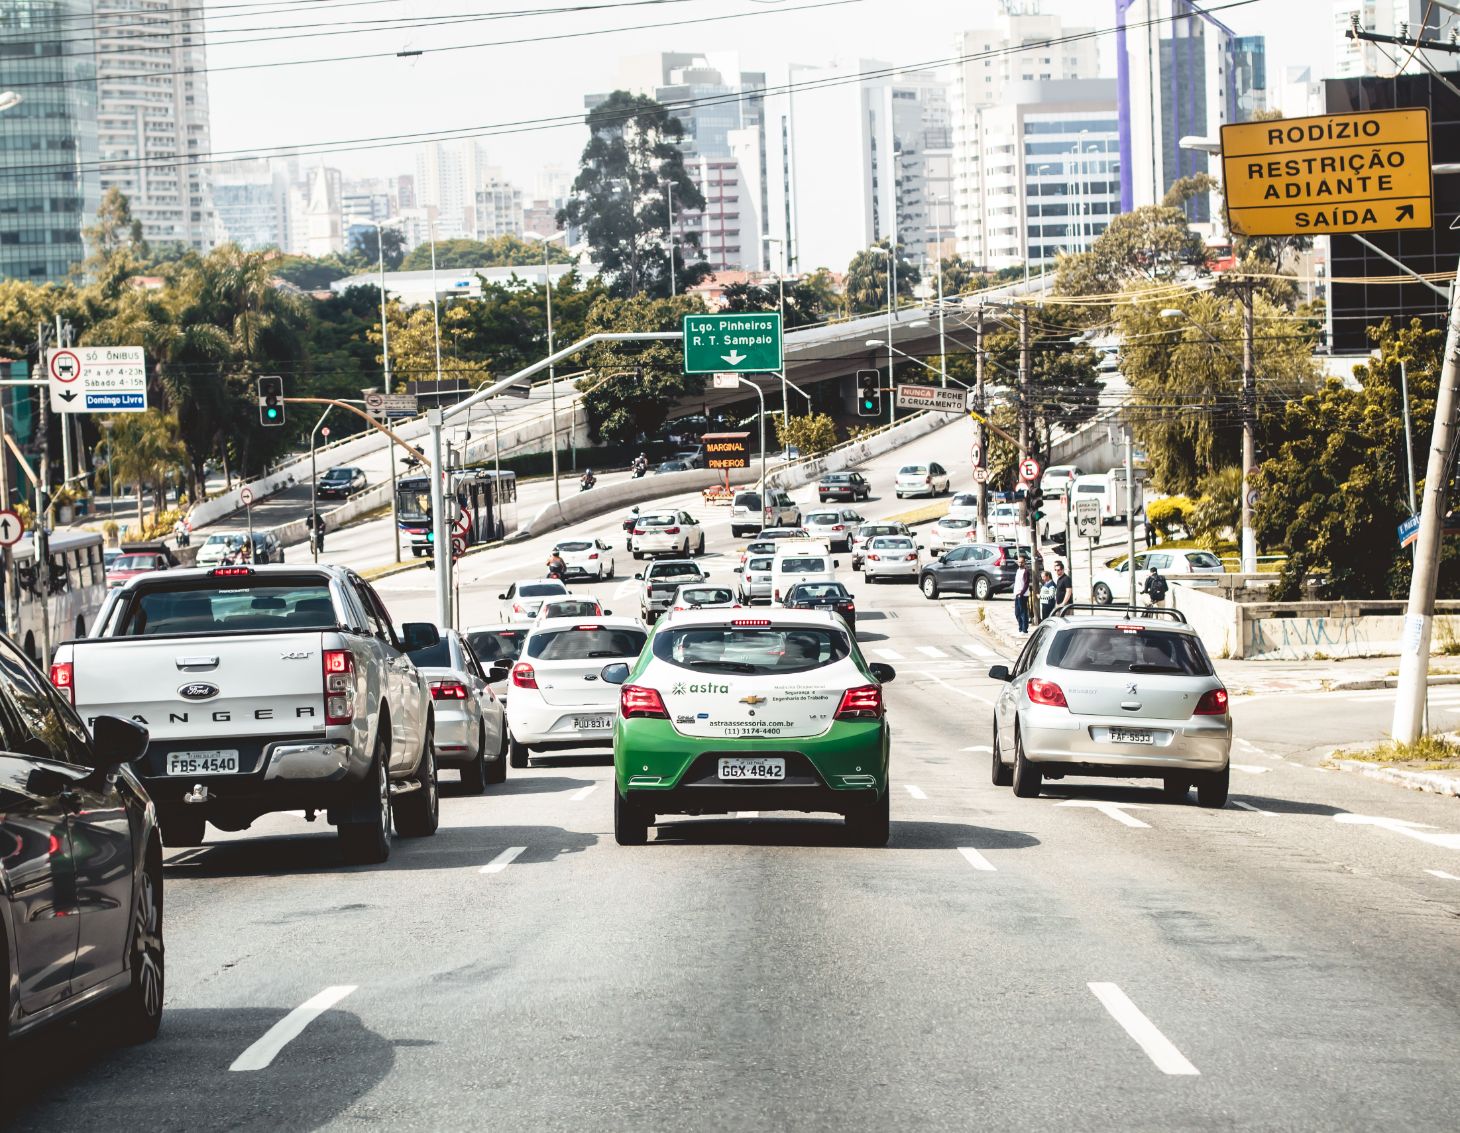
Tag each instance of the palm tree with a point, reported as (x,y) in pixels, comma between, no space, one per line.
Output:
(146,450)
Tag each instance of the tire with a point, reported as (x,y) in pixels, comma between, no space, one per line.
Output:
(630,824)
(517,754)
(638,554)
(1026,779)
(182,828)
(701,551)
(872,825)
(139,1008)
(419,813)
(821,499)
(610,570)
(1002,774)
(1175,788)
(497,769)
(474,774)
(929,586)
(1212,788)
(1101,594)
(899,495)
(368,842)
(983,589)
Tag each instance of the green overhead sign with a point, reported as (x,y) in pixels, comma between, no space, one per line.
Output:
(744,343)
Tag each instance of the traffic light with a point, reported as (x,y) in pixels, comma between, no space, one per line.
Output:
(271,400)
(1034,497)
(869,393)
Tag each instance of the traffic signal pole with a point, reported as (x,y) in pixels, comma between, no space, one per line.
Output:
(980,434)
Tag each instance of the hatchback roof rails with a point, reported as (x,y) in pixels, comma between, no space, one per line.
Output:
(1121,609)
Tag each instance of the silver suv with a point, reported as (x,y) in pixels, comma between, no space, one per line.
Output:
(750,512)
(1115,691)
(662,579)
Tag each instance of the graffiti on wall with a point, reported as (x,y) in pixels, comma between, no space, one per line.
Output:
(1300,639)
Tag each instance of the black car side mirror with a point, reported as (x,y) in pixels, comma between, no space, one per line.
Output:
(614,674)
(116,741)
(1000,673)
(608,613)
(419,635)
(503,597)
(883,674)
(499,671)
(639,576)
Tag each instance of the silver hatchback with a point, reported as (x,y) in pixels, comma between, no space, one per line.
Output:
(1114,691)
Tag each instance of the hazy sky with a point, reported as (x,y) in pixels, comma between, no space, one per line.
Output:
(479,86)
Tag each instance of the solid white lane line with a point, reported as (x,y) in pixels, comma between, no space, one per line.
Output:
(287,1029)
(503,860)
(1253,809)
(1442,875)
(976,859)
(1157,1046)
(582,793)
(915,792)
(1250,769)
(931,651)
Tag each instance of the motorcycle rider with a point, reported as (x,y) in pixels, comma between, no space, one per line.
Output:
(556,567)
(588,480)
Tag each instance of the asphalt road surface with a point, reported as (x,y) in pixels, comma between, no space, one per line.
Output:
(1094,959)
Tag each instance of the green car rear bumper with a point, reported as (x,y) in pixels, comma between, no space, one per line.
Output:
(664,772)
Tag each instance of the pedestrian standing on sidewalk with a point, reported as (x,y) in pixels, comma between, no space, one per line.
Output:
(1046,596)
(1064,588)
(1150,532)
(1021,594)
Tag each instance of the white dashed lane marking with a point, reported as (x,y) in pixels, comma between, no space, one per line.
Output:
(1442,875)
(931,651)
(1159,1049)
(503,860)
(888,654)
(582,793)
(1253,809)
(915,792)
(286,1030)
(979,652)
(976,859)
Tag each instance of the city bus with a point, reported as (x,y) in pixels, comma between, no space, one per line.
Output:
(77,589)
(488,500)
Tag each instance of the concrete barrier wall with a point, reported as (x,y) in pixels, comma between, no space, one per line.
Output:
(1215,618)
(856,452)
(587,505)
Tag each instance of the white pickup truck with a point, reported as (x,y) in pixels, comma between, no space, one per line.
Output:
(265,689)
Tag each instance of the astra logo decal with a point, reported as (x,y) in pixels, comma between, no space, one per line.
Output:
(681,688)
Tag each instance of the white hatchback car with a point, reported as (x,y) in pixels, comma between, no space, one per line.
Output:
(891,556)
(755,579)
(674,533)
(831,525)
(525,596)
(574,606)
(557,700)
(471,727)
(921,480)
(963,506)
(587,558)
(1004,523)
(950,531)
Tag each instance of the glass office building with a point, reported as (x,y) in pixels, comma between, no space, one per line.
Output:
(49,186)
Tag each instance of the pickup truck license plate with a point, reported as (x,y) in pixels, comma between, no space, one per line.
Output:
(752,768)
(592,723)
(1130,736)
(218,762)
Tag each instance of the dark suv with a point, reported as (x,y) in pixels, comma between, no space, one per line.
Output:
(980,569)
(843,486)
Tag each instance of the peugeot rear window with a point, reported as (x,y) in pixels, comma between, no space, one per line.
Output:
(202,606)
(496,645)
(1130,648)
(436,656)
(586,643)
(766,650)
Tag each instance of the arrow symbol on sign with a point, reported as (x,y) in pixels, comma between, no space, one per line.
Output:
(1111,810)
(5,528)
(68,395)
(1406,212)
(734,357)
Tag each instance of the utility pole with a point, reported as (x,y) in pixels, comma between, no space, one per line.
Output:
(1027,519)
(1130,509)
(980,434)
(1414,657)
(1249,430)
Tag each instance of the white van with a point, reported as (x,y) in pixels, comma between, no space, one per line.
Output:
(800,560)
(1109,489)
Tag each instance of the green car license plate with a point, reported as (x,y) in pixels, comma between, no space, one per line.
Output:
(763,769)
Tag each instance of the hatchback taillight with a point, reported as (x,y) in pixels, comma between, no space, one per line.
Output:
(1212,702)
(63,676)
(864,703)
(1046,692)
(671,531)
(523,675)
(641,702)
(448,690)
(339,686)
(638,531)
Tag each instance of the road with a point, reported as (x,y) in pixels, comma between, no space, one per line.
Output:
(1094,959)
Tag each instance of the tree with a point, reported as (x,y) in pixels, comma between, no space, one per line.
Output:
(960,277)
(117,247)
(813,433)
(145,451)
(498,252)
(1064,380)
(367,242)
(634,385)
(867,278)
(620,201)
(801,307)
(309,273)
(1218,507)
(1151,244)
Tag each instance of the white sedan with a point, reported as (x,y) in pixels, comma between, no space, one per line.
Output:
(556,699)
(891,556)
(921,480)
(674,533)
(526,596)
(950,532)
(471,730)
(587,558)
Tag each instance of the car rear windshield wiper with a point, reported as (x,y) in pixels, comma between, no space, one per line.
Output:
(726,666)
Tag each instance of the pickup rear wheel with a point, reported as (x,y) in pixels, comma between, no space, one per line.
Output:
(419,813)
(474,774)
(181,827)
(367,842)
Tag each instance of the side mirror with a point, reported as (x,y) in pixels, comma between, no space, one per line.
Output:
(614,674)
(835,563)
(499,671)
(883,674)
(608,613)
(1000,673)
(503,597)
(418,635)
(116,741)
(738,570)
(639,576)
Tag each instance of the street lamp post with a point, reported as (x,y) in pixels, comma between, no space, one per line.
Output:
(781,308)
(669,230)
(938,235)
(891,285)
(385,357)
(547,277)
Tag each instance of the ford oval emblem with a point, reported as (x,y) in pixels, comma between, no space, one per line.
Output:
(198,691)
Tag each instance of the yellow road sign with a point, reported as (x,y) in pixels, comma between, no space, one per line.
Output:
(1366,172)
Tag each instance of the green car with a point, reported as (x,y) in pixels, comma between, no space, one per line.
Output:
(772,712)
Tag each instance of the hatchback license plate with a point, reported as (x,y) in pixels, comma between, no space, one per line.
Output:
(219,762)
(752,769)
(1130,736)
(591,723)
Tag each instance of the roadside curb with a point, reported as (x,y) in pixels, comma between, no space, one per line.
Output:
(1434,782)
(1386,682)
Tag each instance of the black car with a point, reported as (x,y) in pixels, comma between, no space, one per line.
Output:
(843,486)
(823,596)
(81,869)
(340,483)
(980,569)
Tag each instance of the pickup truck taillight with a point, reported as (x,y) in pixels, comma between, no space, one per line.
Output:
(863,703)
(523,675)
(63,676)
(339,686)
(448,690)
(638,701)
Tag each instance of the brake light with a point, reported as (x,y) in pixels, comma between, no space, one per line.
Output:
(448,690)
(588,627)
(753,621)
(671,531)
(523,675)
(912,558)
(839,527)
(638,531)
(339,686)
(1046,692)
(593,556)
(63,677)
(1212,703)
(637,701)
(999,557)
(864,703)
(873,557)
(849,607)
(230,572)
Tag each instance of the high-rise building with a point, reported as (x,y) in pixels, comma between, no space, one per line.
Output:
(1181,72)
(1355,57)
(448,174)
(251,204)
(49,187)
(498,210)
(152,115)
